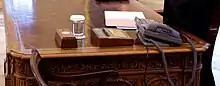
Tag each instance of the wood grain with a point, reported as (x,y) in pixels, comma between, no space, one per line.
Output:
(34,22)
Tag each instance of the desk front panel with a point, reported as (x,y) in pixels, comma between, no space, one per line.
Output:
(131,68)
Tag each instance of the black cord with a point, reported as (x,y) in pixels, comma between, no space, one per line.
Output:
(145,71)
(164,61)
(146,64)
(162,54)
(194,60)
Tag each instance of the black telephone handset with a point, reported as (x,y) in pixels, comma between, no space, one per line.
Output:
(157,31)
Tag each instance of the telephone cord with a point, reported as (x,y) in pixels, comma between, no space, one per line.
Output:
(194,60)
(163,58)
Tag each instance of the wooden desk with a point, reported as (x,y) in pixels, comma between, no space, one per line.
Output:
(34,22)
(156,5)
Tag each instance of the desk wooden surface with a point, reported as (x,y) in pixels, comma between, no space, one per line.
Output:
(34,22)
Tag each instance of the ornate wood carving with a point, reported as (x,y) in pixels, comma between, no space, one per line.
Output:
(22,67)
(154,63)
(189,61)
(133,81)
(9,80)
(20,81)
(133,64)
(161,79)
(31,81)
(188,76)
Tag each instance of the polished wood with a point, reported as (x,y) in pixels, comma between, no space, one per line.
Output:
(39,21)
(39,24)
(33,23)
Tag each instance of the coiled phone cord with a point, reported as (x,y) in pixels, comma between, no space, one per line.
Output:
(163,57)
(165,62)
(145,71)
(194,60)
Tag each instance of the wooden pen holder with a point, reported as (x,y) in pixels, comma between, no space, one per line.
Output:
(106,37)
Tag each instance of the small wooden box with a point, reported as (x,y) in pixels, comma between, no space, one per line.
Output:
(100,38)
(65,39)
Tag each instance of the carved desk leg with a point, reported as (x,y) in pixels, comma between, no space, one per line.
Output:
(8,69)
(18,72)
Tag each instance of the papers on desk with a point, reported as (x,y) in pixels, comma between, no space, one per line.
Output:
(122,19)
